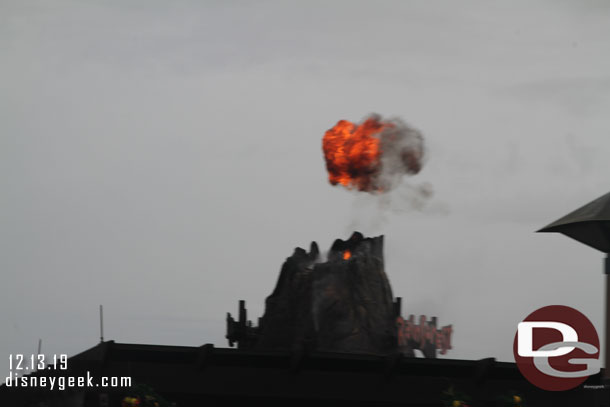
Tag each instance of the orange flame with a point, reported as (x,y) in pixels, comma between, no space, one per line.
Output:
(352,153)
(347,254)
(374,155)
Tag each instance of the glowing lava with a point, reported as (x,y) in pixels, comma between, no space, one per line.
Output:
(347,254)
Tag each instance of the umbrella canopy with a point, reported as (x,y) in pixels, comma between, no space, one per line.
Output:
(589,224)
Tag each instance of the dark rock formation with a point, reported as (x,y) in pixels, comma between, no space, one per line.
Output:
(344,304)
(288,320)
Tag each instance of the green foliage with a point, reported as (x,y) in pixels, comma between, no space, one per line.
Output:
(453,398)
(142,395)
(512,399)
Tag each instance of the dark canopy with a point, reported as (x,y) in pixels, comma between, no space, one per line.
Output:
(589,224)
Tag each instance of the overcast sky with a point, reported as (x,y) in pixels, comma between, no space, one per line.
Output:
(164,158)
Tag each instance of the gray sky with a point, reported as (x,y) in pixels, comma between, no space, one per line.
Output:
(164,158)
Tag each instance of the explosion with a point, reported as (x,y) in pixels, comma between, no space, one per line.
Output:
(373,155)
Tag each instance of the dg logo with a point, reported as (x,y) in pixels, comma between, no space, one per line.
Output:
(556,348)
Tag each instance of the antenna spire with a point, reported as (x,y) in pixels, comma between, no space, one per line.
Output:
(101,323)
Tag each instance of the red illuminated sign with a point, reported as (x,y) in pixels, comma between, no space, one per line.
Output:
(423,336)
